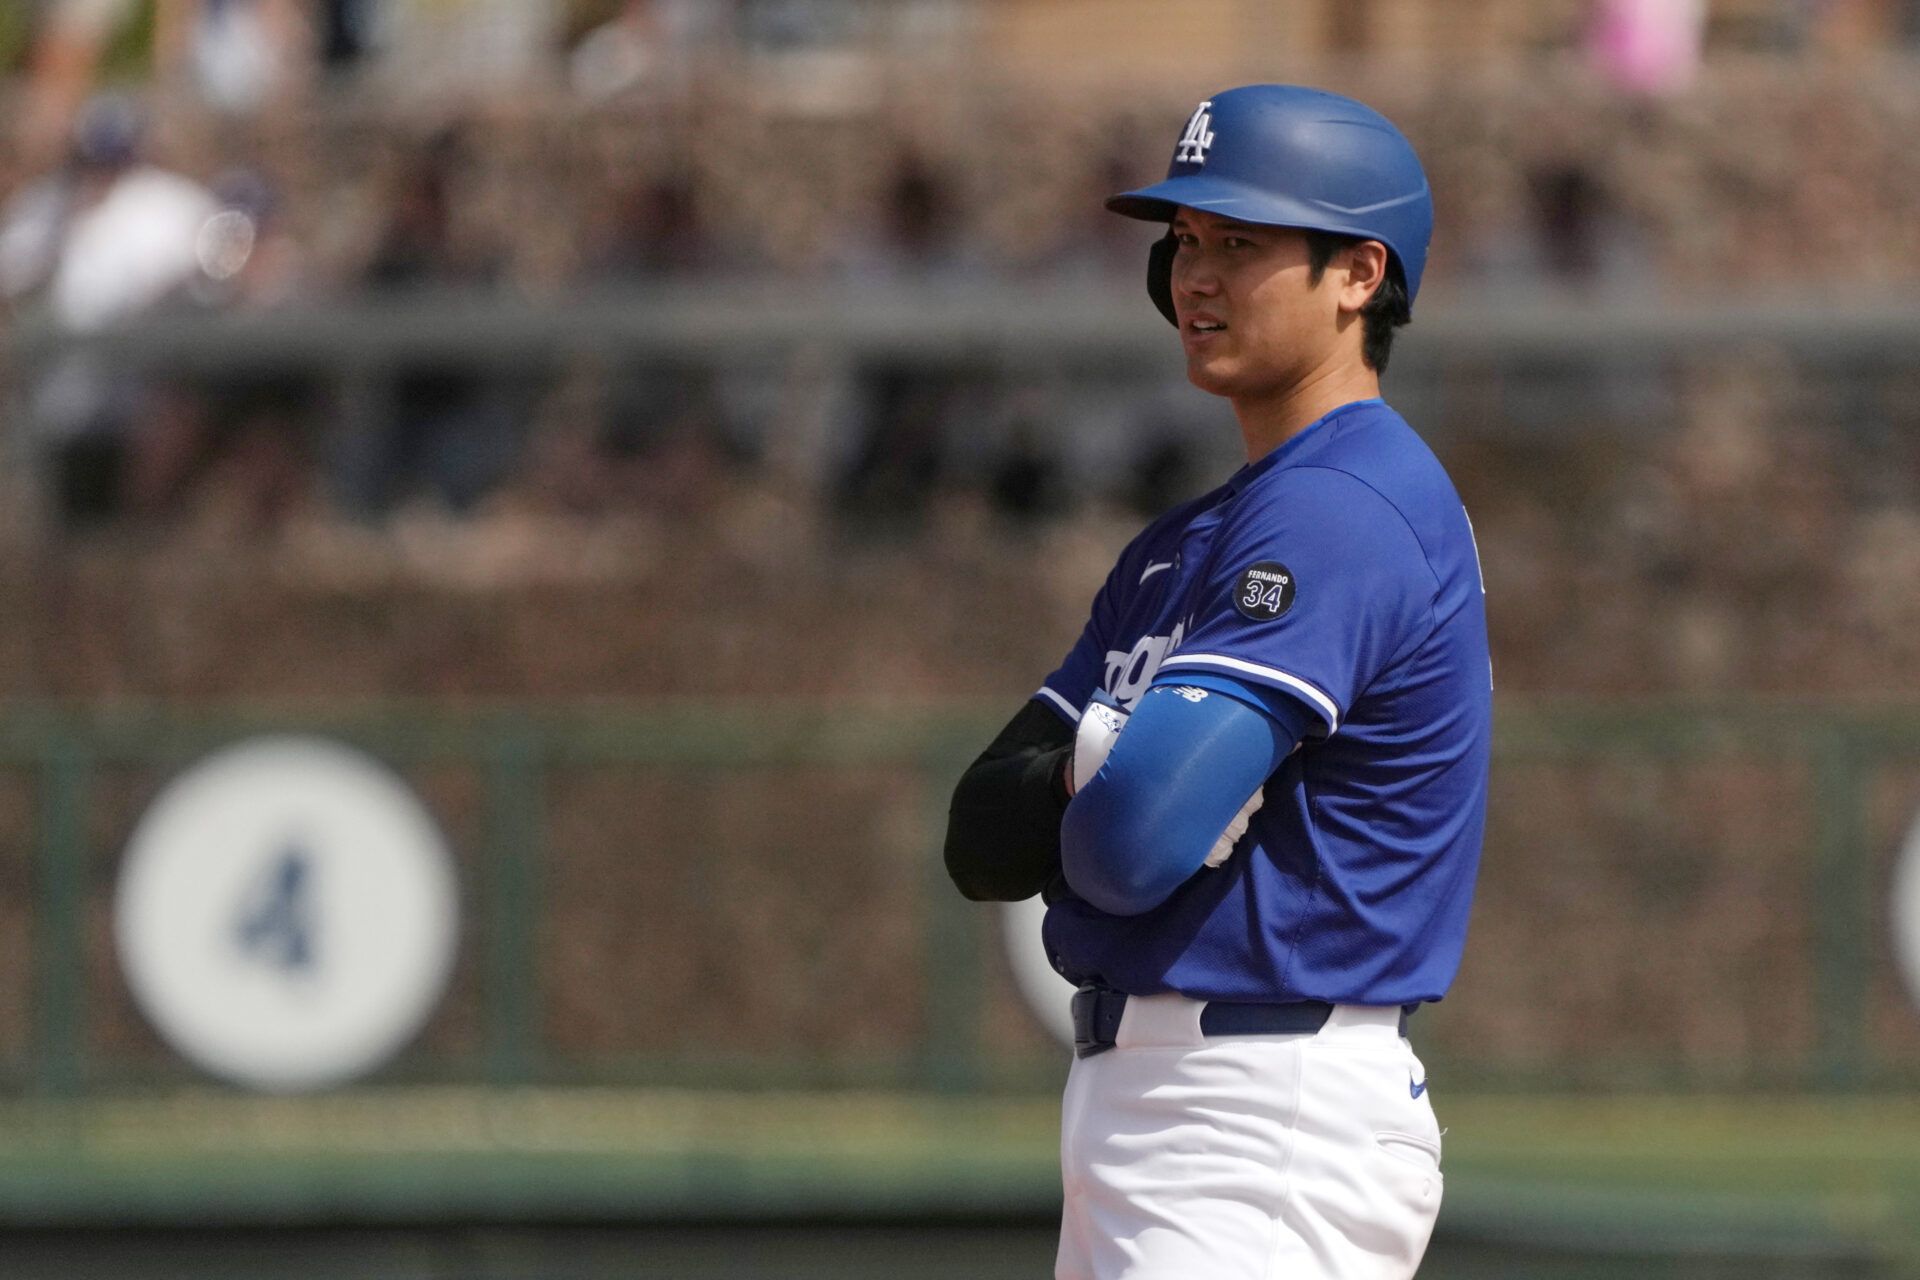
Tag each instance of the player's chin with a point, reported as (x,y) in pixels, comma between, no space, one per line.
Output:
(1212,373)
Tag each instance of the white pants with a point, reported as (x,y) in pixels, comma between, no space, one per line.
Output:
(1284,1157)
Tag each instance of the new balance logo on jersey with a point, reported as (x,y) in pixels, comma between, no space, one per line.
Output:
(1198,137)
(1188,692)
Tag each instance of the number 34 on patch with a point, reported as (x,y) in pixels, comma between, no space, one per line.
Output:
(1264,591)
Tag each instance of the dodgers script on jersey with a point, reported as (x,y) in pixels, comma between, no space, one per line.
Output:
(1338,571)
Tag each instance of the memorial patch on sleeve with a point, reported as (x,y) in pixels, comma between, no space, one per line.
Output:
(1264,591)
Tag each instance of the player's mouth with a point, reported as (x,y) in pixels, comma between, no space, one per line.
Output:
(1201,328)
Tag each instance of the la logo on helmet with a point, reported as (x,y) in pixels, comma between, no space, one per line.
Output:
(1198,137)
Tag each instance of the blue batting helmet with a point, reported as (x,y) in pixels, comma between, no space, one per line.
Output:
(1286,156)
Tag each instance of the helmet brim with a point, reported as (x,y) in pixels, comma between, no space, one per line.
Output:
(1159,202)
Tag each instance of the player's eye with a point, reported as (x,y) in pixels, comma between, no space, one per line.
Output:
(1186,239)
(1237,242)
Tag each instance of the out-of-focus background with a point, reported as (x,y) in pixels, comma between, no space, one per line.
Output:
(670,436)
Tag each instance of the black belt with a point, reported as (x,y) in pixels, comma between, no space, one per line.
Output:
(1097,1010)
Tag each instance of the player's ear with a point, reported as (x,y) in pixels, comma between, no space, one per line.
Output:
(1365,271)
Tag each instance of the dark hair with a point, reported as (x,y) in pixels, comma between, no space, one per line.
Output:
(1385,311)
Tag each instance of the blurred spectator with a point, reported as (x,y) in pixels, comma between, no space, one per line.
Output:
(787,26)
(1569,206)
(1648,46)
(239,458)
(1026,485)
(132,233)
(1093,242)
(915,229)
(105,239)
(1580,236)
(33,225)
(647,43)
(446,429)
(921,219)
(653,228)
(898,458)
(901,456)
(346,32)
(659,414)
(68,42)
(248,252)
(660,408)
(239,54)
(1164,472)
(477,47)
(618,55)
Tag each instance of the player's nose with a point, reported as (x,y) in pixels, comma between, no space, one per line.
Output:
(1195,277)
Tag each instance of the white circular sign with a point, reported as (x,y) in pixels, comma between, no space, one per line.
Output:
(1048,995)
(1906,910)
(287,913)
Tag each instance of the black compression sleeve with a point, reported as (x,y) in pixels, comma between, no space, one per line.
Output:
(1003,827)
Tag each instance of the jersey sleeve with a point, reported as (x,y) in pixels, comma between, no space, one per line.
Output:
(1314,587)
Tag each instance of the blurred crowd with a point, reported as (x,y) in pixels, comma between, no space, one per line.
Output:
(258,173)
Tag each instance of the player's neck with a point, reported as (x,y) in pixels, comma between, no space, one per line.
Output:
(1269,420)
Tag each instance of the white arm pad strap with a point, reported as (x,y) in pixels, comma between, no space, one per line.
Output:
(1235,829)
(1100,724)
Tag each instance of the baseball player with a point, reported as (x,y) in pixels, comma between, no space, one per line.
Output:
(1253,793)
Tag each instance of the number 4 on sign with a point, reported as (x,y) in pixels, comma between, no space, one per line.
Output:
(276,926)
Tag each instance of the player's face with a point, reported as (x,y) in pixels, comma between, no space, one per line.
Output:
(1252,320)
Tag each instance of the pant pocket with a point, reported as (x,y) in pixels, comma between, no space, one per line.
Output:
(1407,1191)
(1418,1150)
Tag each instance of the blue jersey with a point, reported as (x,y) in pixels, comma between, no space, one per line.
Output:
(1339,571)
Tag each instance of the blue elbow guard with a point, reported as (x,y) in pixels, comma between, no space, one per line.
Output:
(1177,775)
